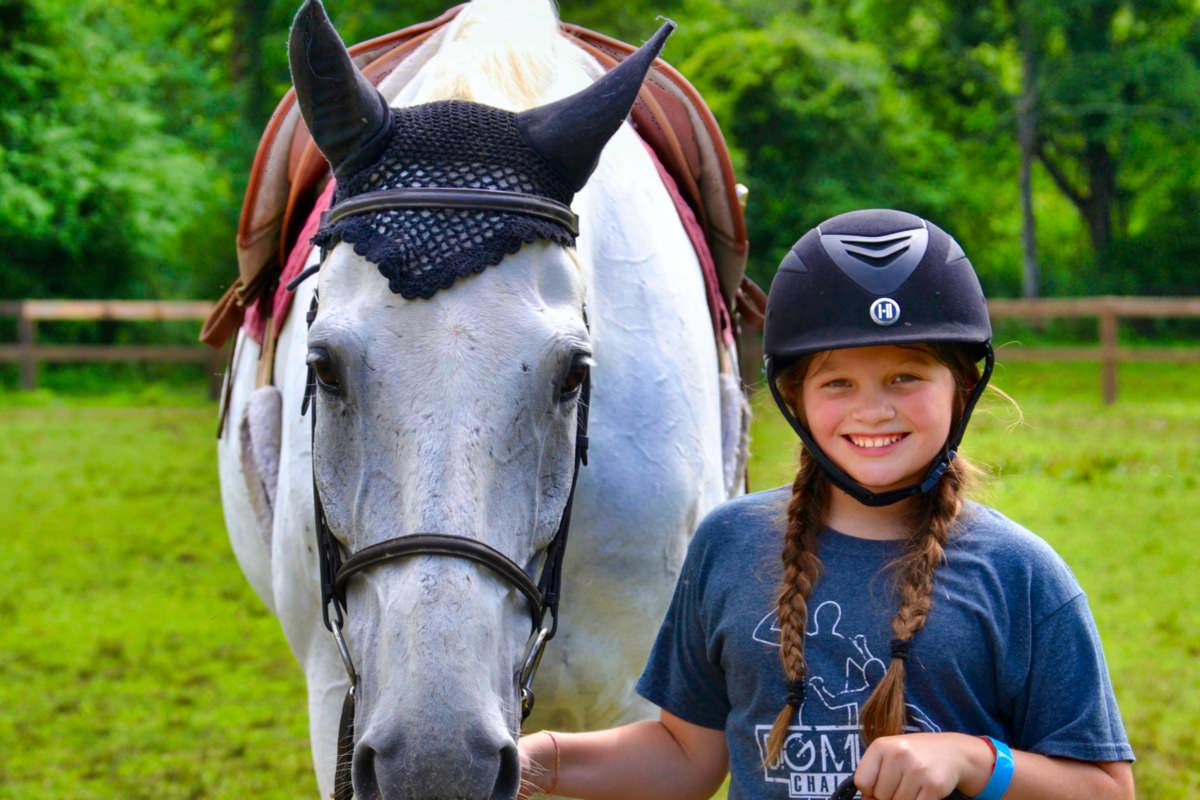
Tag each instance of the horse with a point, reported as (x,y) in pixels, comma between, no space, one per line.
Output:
(459,412)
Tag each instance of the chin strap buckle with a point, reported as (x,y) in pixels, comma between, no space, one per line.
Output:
(936,473)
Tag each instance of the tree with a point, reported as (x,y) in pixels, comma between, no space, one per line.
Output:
(95,192)
(1083,85)
(127,129)
(815,121)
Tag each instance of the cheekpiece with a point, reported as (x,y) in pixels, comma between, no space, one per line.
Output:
(447,144)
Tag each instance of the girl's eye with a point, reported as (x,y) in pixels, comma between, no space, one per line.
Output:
(837,383)
(906,378)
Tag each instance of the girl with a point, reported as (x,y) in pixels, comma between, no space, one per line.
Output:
(907,640)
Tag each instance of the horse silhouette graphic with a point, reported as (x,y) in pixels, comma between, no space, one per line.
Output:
(823,745)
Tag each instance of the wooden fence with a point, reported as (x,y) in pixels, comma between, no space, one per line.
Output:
(1108,310)
(28,353)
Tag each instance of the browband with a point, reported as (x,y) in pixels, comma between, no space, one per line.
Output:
(468,199)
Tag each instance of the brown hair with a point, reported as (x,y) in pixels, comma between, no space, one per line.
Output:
(884,713)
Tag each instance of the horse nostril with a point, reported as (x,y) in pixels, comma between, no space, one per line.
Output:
(366,783)
(508,781)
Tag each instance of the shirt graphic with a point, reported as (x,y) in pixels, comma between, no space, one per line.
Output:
(823,746)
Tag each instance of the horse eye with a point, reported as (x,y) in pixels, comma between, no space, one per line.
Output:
(323,367)
(576,375)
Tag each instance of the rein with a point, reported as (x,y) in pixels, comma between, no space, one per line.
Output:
(336,570)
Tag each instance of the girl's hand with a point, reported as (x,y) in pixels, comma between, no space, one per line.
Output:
(923,766)
(537,764)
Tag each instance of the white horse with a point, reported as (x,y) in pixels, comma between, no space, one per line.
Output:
(448,414)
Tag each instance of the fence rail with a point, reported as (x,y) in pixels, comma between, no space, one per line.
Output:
(29,354)
(1109,311)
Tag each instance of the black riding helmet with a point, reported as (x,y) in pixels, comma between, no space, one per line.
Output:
(875,277)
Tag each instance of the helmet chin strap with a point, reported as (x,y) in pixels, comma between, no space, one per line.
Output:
(862,494)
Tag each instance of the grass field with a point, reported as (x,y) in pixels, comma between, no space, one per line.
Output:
(136,663)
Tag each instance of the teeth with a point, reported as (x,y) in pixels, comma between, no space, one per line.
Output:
(875,441)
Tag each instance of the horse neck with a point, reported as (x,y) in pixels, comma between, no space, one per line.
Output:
(632,244)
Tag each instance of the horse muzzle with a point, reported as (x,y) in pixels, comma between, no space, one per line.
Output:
(421,764)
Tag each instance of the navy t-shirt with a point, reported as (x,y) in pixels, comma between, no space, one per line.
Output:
(1009,650)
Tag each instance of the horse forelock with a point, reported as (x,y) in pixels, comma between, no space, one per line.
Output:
(505,53)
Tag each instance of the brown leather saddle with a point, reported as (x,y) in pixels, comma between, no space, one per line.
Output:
(289,172)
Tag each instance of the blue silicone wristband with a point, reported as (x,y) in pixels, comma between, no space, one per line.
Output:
(1002,772)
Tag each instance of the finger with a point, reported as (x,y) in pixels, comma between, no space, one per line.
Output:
(888,780)
(867,772)
(909,787)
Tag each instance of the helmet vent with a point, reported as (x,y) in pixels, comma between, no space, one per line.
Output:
(876,254)
(879,264)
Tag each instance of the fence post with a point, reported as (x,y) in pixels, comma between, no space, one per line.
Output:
(27,337)
(1108,351)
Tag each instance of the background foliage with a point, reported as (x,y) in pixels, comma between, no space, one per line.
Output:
(127,129)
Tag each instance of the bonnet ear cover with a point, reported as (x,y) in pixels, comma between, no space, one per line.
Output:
(348,118)
(545,153)
(571,132)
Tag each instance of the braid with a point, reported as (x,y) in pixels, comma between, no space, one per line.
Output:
(801,569)
(885,712)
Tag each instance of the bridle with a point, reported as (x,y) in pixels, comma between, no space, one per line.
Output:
(457,198)
(336,570)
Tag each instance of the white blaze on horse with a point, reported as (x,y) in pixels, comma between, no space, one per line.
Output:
(455,412)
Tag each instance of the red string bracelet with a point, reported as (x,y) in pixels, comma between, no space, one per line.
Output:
(557,761)
(986,741)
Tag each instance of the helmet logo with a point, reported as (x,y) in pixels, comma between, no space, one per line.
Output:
(885,311)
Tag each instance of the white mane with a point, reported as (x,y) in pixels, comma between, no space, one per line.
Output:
(505,53)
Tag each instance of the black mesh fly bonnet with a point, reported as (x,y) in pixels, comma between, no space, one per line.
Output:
(453,144)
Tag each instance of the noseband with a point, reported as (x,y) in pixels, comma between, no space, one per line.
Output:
(336,572)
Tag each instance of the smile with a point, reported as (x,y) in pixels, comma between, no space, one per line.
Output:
(874,442)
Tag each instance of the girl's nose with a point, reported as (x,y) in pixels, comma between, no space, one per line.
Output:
(874,408)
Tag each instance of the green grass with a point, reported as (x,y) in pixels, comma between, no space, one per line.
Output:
(134,660)
(136,663)
(122,383)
